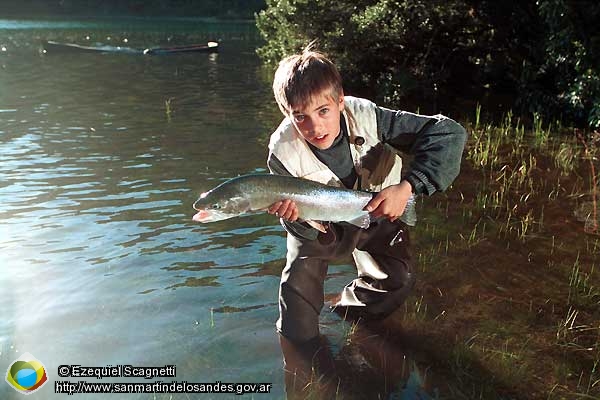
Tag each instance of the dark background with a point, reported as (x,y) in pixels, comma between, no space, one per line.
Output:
(146,8)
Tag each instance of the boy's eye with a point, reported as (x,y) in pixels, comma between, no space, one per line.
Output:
(298,117)
(323,111)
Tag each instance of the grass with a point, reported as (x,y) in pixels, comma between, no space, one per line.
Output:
(415,310)
(590,156)
(509,302)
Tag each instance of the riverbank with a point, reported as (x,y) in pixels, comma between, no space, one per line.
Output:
(509,294)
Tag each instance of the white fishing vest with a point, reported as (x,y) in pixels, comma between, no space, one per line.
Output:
(376,165)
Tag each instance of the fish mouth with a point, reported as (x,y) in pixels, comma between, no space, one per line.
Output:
(211,216)
(201,216)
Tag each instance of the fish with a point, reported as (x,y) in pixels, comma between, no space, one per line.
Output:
(315,201)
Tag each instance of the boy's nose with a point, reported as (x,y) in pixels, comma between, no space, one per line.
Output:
(314,127)
(310,125)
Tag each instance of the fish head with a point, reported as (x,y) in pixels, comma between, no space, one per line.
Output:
(220,203)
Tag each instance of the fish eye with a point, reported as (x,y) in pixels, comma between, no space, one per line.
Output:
(216,206)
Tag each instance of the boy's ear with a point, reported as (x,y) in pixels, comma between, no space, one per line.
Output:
(341,101)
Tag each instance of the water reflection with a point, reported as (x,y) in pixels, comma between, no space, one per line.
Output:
(371,363)
(193,282)
(190,266)
(101,261)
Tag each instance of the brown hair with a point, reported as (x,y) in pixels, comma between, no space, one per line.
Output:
(301,76)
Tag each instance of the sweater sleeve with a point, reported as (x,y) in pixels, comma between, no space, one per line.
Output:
(436,142)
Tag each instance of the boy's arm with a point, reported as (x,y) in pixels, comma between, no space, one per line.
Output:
(436,142)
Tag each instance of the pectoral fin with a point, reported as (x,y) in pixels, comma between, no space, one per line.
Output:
(317,225)
(362,222)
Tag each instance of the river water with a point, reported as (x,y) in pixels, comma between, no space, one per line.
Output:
(101,158)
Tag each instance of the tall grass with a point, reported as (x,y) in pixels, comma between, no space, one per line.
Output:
(526,177)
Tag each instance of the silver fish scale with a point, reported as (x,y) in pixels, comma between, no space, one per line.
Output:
(321,204)
(330,205)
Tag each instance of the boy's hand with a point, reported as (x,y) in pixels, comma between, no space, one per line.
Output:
(391,201)
(285,209)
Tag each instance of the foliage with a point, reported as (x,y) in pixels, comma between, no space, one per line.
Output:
(393,49)
(570,58)
(372,42)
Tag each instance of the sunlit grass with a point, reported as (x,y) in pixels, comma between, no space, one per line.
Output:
(526,185)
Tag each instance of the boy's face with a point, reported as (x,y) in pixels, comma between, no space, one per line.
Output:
(319,121)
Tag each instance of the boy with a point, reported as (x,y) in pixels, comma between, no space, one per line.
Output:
(343,141)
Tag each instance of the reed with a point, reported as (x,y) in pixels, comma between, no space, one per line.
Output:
(566,158)
(590,156)
(540,134)
(519,172)
(582,292)
(415,310)
(168,109)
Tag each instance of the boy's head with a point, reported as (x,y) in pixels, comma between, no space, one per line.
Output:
(301,76)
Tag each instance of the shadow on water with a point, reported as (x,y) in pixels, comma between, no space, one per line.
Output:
(391,359)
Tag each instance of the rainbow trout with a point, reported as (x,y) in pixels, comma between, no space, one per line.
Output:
(315,201)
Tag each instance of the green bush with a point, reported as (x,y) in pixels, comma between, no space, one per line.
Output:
(569,58)
(391,50)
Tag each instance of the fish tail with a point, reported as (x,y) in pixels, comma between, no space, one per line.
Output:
(409,217)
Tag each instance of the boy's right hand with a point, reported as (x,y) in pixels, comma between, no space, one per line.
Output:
(285,209)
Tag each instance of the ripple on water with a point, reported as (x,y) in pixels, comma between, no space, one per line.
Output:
(97,187)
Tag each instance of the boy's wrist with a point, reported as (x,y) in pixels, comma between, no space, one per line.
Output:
(417,186)
(406,185)
(420,183)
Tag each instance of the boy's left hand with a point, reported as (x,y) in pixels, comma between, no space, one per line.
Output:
(391,201)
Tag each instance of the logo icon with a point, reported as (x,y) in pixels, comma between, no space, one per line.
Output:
(26,374)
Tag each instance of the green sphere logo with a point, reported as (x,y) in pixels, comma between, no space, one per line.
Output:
(26,374)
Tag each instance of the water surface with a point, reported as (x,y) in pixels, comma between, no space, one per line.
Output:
(101,157)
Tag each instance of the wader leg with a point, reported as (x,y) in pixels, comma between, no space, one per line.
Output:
(395,262)
(301,294)
(307,367)
(307,358)
(369,297)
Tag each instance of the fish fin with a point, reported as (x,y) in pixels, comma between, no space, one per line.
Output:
(409,217)
(362,222)
(317,225)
